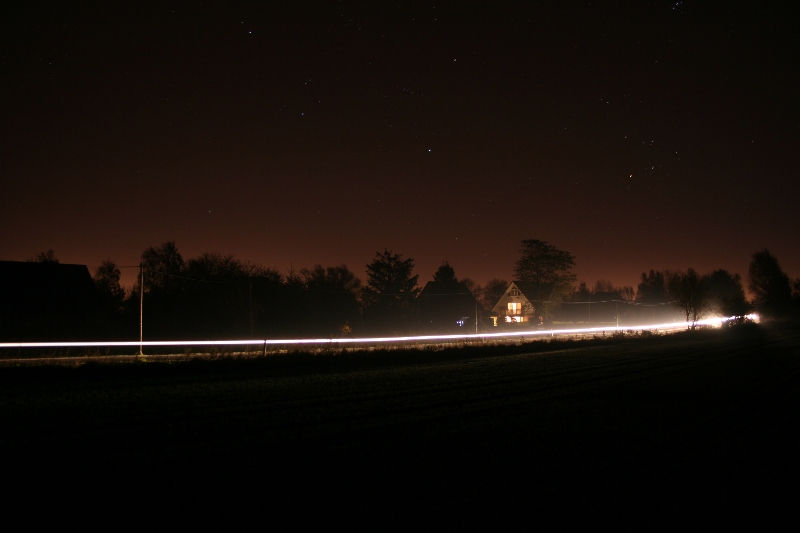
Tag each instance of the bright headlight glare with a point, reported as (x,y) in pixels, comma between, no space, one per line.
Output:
(375,340)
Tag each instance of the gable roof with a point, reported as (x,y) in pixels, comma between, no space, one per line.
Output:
(45,300)
(444,288)
(534,293)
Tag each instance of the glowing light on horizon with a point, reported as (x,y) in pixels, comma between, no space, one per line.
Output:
(376,340)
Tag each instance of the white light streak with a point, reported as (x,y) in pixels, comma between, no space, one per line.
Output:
(377,340)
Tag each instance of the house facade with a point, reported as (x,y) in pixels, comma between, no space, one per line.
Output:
(523,302)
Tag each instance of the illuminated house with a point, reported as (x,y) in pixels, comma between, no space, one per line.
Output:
(523,302)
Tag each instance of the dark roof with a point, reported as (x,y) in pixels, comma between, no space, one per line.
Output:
(45,300)
(441,306)
(17,277)
(605,296)
(444,288)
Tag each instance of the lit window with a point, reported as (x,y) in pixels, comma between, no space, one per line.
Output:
(514,308)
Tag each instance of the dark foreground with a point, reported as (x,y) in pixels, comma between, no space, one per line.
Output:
(691,428)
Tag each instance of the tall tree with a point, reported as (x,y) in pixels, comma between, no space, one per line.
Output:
(582,293)
(550,270)
(445,274)
(689,292)
(796,295)
(541,262)
(603,285)
(772,294)
(390,291)
(216,297)
(212,265)
(473,287)
(165,310)
(627,293)
(624,293)
(332,299)
(112,295)
(492,292)
(726,294)
(652,290)
(161,260)
(333,278)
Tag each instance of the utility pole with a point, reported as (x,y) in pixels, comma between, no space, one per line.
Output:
(141,305)
(616,311)
(476,315)
(250,281)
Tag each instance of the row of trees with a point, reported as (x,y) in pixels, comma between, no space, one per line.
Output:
(721,292)
(695,295)
(219,295)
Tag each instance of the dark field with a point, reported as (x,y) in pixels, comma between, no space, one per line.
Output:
(695,428)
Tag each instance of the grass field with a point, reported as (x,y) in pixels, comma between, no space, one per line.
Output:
(693,428)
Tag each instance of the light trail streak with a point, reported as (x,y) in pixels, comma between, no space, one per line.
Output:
(376,340)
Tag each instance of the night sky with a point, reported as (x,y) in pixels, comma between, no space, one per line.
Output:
(635,135)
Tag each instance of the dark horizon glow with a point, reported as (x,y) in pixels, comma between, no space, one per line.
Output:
(638,137)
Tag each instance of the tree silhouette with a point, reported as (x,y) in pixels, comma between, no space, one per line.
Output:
(331,299)
(473,287)
(627,293)
(166,307)
(772,294)
(492,292)
(582,293)
(111,298)
(445,274)
(211,266)
(690,294)
(159,261)
(45,257)
(726,294)
(544,263)
(274,309)
(796,295)
(390,291)
(652,289)
(112,295)
(215,294)
(603,285)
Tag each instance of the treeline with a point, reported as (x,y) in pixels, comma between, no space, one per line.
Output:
(219,296)
(216,296)
(659,295)
(718,293)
